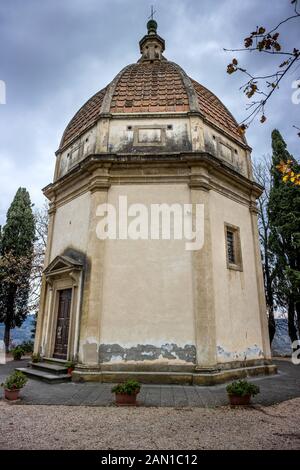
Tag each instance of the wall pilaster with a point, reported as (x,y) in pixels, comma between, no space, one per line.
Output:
(204,305)
(90,327)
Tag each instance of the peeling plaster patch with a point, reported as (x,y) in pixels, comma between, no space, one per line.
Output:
(116,358)
(142,352)
(221,352)
(90,351)
(253,352)
(148,353)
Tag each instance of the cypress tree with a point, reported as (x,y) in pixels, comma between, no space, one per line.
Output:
(16,252)
(284,218)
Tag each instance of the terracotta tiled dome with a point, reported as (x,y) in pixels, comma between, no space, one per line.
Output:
(148,87)
(152,86)
(84,119)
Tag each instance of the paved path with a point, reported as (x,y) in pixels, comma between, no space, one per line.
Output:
(274,389)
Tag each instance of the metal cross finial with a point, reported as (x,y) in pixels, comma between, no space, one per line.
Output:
(152,13)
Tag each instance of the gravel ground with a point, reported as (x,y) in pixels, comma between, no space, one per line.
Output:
(81,427)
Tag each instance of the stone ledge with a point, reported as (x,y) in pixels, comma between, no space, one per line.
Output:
(152,366)
(179,378)
(187,368)
(227,375)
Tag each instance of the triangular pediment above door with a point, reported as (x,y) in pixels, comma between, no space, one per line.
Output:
(62,263)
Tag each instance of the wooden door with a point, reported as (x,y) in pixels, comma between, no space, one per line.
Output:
(63,321)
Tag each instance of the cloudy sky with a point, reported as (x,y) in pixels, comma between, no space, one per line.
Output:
(55,54)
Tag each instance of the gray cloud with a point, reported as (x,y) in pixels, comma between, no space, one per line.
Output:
(55,54)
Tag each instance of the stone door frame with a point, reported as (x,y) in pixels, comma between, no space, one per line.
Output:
(61,340)
(63,273)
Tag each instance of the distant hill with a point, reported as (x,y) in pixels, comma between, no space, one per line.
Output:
(18,335)
(281,344)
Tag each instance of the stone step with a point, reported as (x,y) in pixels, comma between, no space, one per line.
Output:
(44,376)
(53,360)
(50,367)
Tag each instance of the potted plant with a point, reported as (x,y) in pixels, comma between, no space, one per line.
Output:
(36,357)
(70,365)
(27,347)
(241,391)
(13,385)
(17,353)
(126,393)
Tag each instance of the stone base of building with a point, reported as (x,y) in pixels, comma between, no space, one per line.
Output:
(191,376)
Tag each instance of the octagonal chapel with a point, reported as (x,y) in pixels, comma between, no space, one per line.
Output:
(141,306)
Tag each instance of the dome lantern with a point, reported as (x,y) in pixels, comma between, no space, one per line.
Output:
(152,45)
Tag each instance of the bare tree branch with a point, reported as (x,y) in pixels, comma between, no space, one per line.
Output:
(264,41)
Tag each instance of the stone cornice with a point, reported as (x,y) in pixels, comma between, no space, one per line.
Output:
(253,208)
(200,170)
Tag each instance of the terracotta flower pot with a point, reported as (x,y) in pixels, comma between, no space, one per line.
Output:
(123,399)
(237,400)
(11,394)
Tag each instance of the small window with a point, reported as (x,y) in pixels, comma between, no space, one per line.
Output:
(129,128)
(230,246)
(170,127)
(233,247)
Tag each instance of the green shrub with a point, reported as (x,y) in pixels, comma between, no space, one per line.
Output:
(130,387)
(17,353)
(15,381)
(27,346)
(241,388)
(36,357)
(70,364)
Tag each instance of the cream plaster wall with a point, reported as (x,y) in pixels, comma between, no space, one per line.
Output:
(148,284)
(147,290)
(238,328)
(71,226)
